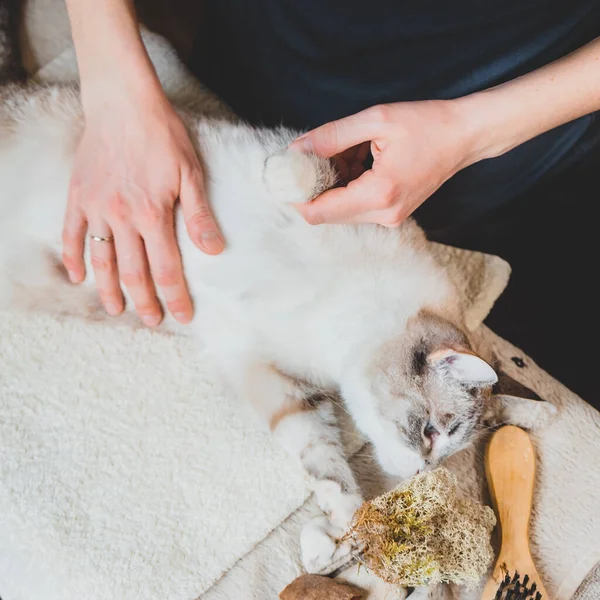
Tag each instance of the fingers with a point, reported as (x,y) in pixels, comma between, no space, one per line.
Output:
(73,238)
(104,263)
(135,275)
(333,206)
(199,220)
(369,199)
(337,136)
(167,270)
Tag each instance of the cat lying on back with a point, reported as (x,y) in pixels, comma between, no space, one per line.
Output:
(291,313)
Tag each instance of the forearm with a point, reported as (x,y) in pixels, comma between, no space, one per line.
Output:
(110,51)
(508,115)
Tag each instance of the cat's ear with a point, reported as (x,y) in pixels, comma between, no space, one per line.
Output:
(463,366)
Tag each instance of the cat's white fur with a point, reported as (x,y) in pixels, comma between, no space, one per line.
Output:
(288,310)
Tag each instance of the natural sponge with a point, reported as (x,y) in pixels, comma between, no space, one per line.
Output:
(422,533)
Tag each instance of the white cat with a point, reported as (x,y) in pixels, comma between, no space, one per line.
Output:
(293,314)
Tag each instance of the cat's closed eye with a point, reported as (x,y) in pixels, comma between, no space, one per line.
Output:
(454,429)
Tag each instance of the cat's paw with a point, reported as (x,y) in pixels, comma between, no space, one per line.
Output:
(292,176)
(337,503)
(535,417)
(521,412)
(322,540)
(322,546)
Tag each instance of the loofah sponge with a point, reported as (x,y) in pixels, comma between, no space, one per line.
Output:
(422,533)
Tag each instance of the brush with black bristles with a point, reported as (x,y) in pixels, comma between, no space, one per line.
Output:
(515,589)
(510,470)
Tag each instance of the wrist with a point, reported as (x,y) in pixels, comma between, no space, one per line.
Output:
(486,131)
(114,66)
(134,84)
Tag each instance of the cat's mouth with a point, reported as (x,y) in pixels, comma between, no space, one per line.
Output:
(429,465)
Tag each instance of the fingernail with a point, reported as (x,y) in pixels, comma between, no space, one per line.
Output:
(212,241)
(303,143)
(113,309)
(182,317)
(74,277)
(151,320)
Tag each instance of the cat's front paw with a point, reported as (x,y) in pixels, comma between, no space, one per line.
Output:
(340,505)
(531,415)
(322,541)
(323,547)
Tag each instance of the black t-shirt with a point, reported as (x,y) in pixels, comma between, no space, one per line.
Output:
(305,62)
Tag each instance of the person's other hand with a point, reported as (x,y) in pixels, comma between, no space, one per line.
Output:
(134,161)
(416,147)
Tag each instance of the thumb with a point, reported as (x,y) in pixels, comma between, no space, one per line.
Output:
(343,205)
(199,220)
(335,137)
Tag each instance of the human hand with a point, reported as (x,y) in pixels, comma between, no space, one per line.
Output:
(416,147)
(134,161)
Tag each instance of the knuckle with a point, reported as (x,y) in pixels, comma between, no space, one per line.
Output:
(193,173)
(76,186)
(109,297)
(392,224)
(102,264)
(394,217)
(314,217)
(71,236)
(147,309)
(68,237)
(154,213)
(119,208)
(386,201)
(167,276)
(71,263)
(135,278)
(380,112)
(179,305)
(328,135)
(200,218)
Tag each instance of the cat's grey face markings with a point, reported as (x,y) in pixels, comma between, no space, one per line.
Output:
(436,428)
(423,401)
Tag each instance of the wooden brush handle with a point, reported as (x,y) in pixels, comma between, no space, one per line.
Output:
(510,469)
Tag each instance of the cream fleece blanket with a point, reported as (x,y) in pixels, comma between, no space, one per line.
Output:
(126,469)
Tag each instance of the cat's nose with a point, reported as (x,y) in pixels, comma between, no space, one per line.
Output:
(431,434)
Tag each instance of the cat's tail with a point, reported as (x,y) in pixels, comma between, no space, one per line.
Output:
(11,67)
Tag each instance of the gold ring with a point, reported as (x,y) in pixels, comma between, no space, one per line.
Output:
(97,238)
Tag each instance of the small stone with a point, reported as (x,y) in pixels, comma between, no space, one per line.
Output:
(317,587)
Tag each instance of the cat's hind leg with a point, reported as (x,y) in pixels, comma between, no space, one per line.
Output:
(302,420)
